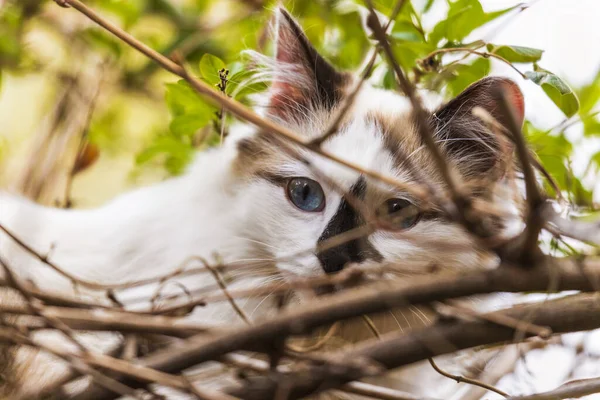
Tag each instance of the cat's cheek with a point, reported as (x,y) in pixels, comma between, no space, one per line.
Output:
(425,248)
(393,249)
(303,266)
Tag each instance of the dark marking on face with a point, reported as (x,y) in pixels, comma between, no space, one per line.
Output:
(346,218)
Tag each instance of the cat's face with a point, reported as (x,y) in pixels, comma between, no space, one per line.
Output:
(303,202)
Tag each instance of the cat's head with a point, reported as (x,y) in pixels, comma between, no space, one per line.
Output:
(301,200)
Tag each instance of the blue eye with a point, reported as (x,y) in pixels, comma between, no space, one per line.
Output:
(306,194)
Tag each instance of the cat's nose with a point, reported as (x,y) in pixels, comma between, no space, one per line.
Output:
(345,219)
(334,260)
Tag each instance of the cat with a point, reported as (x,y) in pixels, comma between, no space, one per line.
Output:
(249,201)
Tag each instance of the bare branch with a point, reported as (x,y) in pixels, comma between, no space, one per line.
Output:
(420,116)
(112,320)
(570,390)
(470,381)
(565,273)
(585,231)
(580,312)
(527,250)
(503,364)
(236,108)
(482,54)
(349,101)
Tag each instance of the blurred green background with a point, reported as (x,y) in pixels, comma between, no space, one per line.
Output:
(83,116)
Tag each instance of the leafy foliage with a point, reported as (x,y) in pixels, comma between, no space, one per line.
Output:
(558,91)
(210,36)
(516,54)
(555,153)
(463,17)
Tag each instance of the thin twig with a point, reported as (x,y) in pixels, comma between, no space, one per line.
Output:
(110,320)
(575,313)
(361,388)
(566,273)
(473,51)
(420,116)
(503,320)
(528,249)
(464,379)
(233,106)
(569,390)
(504,362)
(230,299)
(345,107)
(317,345)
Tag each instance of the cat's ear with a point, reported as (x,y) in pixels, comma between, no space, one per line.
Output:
(465,137)
(302,79)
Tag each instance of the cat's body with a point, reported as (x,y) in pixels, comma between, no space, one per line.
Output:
(235,205)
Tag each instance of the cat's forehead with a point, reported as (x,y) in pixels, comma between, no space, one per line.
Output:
(375,135)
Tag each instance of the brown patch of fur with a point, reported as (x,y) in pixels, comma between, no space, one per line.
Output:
(402,140)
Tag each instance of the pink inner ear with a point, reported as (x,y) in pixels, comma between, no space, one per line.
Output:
(288,44)
(287,93)
(285,98)
(516,99)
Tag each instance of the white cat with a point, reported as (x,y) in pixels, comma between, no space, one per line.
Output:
(250,202)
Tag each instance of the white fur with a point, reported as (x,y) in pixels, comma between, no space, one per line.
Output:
(215,213)
(210,212)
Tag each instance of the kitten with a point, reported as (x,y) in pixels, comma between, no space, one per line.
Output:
(251,202)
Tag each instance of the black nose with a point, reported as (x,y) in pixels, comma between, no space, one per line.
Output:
(334,259)
(346,218)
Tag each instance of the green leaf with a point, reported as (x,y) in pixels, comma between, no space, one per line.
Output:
(177,154)
(236,68)
(189,124)
(176,164)
(516,54)
(210,66)
(546,144)
(249,89)
(464,16)
(427,6)
(591,127)
(589,95)
(389,81)
(595,163)
(11,32)
(241,84)
(556,89)
(338,36)
(407,53)
(129,11)
(406,31)
(466,74)
(98,39)
(580,195)
(555,153)
(182,99)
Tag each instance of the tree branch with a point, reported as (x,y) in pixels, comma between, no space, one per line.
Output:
(236,108)
(574,313)
(570,390)
(567,274)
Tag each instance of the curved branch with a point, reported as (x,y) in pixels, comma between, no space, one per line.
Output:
(570,390)
(573,313)
(235,107)
(568,274)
